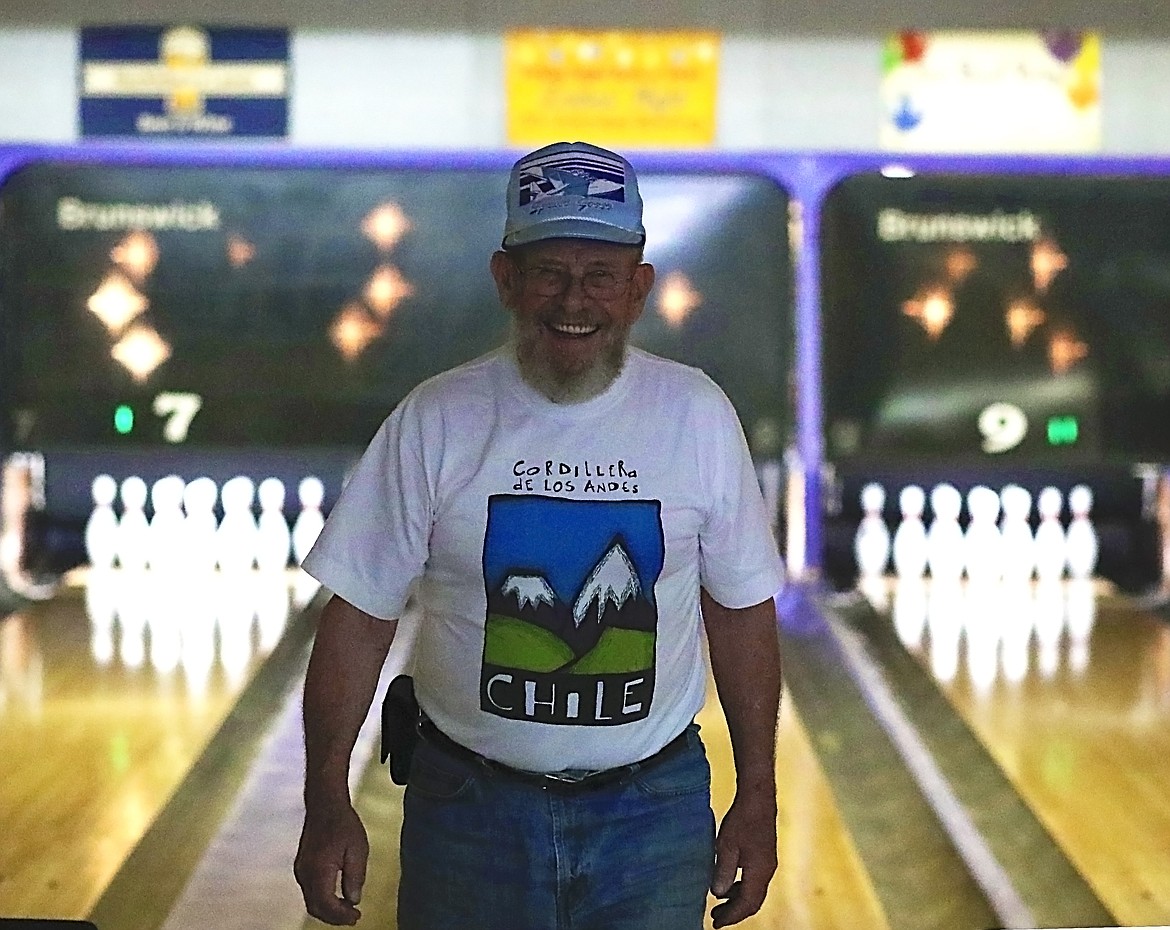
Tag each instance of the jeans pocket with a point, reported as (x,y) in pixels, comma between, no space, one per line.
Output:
(685,772)
(438,776)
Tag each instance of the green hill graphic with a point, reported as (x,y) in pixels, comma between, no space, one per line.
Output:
(514,643)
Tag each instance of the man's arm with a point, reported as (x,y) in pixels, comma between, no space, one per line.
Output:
(745,662)
(348,653)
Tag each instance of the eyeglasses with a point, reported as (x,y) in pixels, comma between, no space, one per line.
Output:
(546,281)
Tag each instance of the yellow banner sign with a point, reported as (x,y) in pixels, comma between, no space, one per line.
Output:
(612,88)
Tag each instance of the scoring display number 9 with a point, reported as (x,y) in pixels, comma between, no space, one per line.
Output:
(1003,426)
(179,409)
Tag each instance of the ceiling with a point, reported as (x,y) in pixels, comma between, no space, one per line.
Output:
(1132,19)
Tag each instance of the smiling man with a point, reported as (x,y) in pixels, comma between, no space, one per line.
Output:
(572,513)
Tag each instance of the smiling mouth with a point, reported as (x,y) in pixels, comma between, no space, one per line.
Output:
(569,329)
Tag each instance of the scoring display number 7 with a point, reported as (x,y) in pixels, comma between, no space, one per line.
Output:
(179,408)
(1003,426)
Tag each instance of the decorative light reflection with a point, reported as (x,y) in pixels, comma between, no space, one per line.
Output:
(117,302)
(932,308)
(960,263)
(1022,319)
(141,351)
(678,299)
(1065,350)
(353,330)
(239,251)
(385,290)
(385,225)
(137,254)
(1047,262)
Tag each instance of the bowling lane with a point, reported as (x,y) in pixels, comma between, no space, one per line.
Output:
(1067,685)
(108,695)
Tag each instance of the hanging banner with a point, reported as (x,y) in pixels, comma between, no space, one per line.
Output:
(186,81)
(987,92)
(625,89)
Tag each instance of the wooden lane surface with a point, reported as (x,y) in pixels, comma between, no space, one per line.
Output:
(1083,734)
(821,883)
(91,749)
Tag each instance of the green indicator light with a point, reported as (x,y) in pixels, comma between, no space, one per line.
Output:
(1062,431)
(124,419)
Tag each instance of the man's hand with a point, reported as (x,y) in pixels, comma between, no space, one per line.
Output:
(333,844)
(746,843)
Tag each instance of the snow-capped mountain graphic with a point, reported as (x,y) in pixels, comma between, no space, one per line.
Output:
(529,590)
(610,596)
(614,580)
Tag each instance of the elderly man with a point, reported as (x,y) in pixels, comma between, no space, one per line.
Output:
(574,513)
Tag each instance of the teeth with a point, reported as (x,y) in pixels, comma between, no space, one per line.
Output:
(571,330)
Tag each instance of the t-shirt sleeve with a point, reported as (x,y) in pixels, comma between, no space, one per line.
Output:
(374,542)
(739,563)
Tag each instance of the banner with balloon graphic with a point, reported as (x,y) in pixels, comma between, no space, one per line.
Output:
(991,92)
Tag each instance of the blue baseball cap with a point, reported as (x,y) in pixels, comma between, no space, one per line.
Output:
(573,190)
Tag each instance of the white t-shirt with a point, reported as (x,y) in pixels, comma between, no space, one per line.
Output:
(559,551)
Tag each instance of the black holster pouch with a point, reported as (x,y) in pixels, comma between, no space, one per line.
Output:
(400,717)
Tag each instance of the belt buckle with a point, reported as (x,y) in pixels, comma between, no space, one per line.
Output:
(561,779)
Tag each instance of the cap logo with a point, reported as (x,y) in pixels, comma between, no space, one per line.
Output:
(572,174)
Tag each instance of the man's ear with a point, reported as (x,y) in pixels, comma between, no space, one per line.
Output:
(640,284)
(505,275)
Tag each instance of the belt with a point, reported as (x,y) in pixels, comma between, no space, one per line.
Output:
(549,781)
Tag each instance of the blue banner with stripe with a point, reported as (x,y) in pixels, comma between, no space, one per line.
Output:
(184,81)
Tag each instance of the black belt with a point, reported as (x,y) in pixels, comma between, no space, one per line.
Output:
(553,781)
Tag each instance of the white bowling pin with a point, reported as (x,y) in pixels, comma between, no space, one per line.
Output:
(238,536)
(871,544)
(982,541)
(200,524)
(1019,546)
(944,540)
(910,537)
(167,524)
(275,539)
(133,543)
(306,529)
(1081,539)
(101,529)
(1050,538)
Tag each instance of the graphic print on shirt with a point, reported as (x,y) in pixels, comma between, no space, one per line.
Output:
(571,616)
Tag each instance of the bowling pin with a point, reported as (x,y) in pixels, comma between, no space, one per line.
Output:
(1019,546)
(200,525)
(101,529)
(910,536)
(237,538)
(871,544)
(1050,538)
(1080,547)
(133,543)
(167,524)
(944,540)
(274,539)
(306,529)
(982,541)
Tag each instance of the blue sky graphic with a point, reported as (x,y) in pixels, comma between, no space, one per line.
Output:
(563,539)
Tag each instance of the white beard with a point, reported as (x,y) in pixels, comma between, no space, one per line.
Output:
(574,388)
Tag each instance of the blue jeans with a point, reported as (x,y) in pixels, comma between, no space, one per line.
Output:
(482,851)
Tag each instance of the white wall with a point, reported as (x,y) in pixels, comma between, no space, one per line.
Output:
(436,90)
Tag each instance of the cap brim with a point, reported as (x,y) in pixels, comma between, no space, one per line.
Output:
(576,227)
